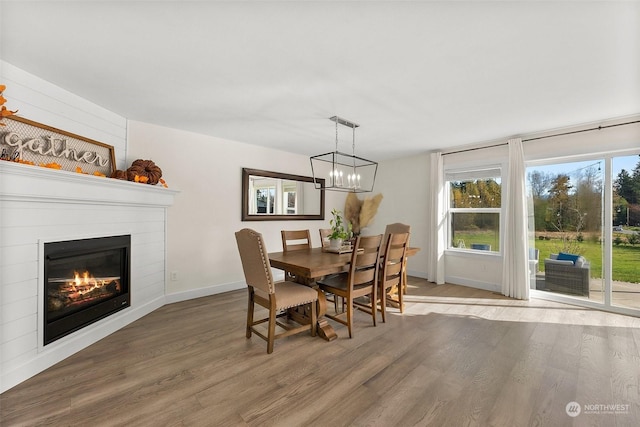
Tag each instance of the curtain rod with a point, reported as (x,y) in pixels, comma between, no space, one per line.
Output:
(543,137)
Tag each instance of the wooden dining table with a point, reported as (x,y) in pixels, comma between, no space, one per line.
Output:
(309,265)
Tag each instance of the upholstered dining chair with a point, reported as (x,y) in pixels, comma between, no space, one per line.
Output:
(276,297)
(391,274)
(360,280)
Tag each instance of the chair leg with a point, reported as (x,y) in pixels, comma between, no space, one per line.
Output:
(404,277)
(250,309)
(400,295)
(272,329)
(374,304)
(350,316)
(383,303)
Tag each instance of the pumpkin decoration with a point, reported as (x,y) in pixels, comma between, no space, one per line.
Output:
(144,171)
(119,174)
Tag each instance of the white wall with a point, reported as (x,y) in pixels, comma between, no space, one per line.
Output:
(206,213)
(403,184)
(208,171)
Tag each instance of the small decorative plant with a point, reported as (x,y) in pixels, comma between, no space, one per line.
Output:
(338,228)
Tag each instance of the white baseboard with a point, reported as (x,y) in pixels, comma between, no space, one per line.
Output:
(419,274)
(465,281)
(203,292)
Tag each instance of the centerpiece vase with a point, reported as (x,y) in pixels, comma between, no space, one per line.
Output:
(335,243)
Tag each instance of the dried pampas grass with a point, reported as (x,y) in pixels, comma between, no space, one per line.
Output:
(369,210)
(352,207)
(360,213)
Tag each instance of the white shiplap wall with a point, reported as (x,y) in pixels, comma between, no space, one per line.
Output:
(39,205)
(40,101)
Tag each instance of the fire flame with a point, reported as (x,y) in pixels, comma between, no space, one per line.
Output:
(85,283)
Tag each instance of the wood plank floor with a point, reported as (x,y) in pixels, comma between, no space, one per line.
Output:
(458,356)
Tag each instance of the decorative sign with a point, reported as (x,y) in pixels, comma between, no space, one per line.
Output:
(34,143)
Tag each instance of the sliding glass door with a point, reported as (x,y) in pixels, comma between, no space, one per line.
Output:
(586,223)
(625,211)
(568,215)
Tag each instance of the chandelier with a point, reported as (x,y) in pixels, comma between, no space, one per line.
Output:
(337,171)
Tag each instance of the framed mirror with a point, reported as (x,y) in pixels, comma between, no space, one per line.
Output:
(275,196)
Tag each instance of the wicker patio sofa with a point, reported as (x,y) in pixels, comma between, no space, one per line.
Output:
(567,276)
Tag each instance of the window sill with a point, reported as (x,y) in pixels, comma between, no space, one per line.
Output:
(471,252)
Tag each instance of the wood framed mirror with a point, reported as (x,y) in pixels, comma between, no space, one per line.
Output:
(275,196)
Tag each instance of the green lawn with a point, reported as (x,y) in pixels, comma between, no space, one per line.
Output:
(626,258)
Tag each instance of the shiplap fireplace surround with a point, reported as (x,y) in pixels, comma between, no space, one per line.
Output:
(40,205)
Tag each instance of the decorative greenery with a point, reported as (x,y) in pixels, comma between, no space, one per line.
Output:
(339,229)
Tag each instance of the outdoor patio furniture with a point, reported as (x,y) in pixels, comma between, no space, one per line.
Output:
(567,276)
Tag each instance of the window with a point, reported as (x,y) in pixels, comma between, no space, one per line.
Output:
(274,196)
(474,209)
(265,198)
(290,198)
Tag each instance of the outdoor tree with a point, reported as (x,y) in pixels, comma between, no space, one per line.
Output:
(626,189)
(539,183)
(588,199)
(558,210)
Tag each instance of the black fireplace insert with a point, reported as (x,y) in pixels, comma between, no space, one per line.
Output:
(85,280)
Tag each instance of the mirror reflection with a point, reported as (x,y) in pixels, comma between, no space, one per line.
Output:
(274,196)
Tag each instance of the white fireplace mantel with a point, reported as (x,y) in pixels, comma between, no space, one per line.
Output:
(22,182)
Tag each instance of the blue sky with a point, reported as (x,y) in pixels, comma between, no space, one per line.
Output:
(627,162)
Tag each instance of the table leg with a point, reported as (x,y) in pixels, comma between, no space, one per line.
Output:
(324,329)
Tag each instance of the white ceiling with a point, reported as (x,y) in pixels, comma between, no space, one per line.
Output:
(415,75)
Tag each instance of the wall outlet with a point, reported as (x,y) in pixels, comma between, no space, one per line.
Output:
(174,276)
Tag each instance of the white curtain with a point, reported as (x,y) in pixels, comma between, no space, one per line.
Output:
(436,231)
(515,267)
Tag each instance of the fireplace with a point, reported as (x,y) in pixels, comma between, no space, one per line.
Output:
(85,280)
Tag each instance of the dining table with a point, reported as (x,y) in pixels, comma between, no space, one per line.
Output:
(310,265)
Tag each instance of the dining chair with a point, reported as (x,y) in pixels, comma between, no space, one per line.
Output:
(397,227)
(324,236)
(391,275)
(294,240)
(276,297)
(360,280)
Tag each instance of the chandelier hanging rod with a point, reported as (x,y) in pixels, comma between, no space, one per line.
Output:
(344,122)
